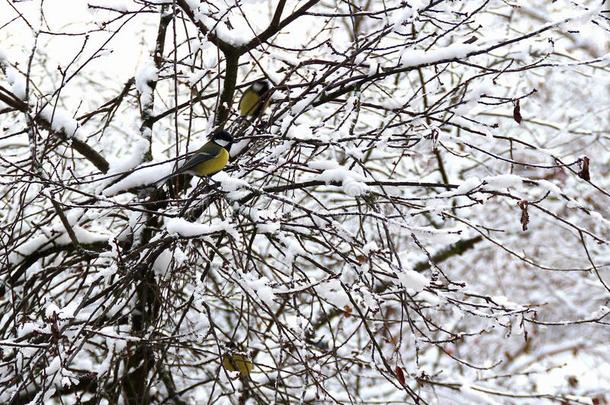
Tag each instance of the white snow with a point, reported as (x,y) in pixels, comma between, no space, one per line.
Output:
(323,164)
(333,292)
(413,281)
(16,81)
(259,286)
(300,106)
(402,17)
(352,182)
(62,313)
(373,68)
(51,310)
(118,5)
(547,185)
(303,132)
(407,15)
(370,247)
(54,366)
(149,173)
(430,234)
(276,153)
(50,237)
(162,262)
(354,188)
(239,146)
(269,227)
(232,36)
(146,73)
(468,185)
(228,183)
(184,228)
(603,310)
(503,181)
(61,121)
(505,302)
(430,298)
(196,76)
(465,187)
(316,250)
(416,57)
(293,248)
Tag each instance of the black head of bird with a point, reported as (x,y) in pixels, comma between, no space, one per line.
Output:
(223,138)
(260,86)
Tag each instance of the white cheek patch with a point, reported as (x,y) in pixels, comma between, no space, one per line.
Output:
(221,142)
(257,87)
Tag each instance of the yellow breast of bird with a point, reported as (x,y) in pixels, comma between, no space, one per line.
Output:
(214,164)
(248,102)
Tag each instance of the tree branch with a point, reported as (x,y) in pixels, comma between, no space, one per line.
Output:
(81,147)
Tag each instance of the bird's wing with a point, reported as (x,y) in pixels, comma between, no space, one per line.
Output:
(207,151)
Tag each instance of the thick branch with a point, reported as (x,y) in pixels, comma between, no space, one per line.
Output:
(226,98)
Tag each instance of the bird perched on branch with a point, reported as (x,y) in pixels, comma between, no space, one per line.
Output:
(211,158)
(255,99)
(237,362)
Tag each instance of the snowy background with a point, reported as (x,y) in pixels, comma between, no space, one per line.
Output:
(421,216)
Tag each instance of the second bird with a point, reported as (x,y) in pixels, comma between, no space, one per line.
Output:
(255,99)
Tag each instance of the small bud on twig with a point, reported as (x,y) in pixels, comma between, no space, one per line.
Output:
(525,218)
(517,112)
(584,170)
